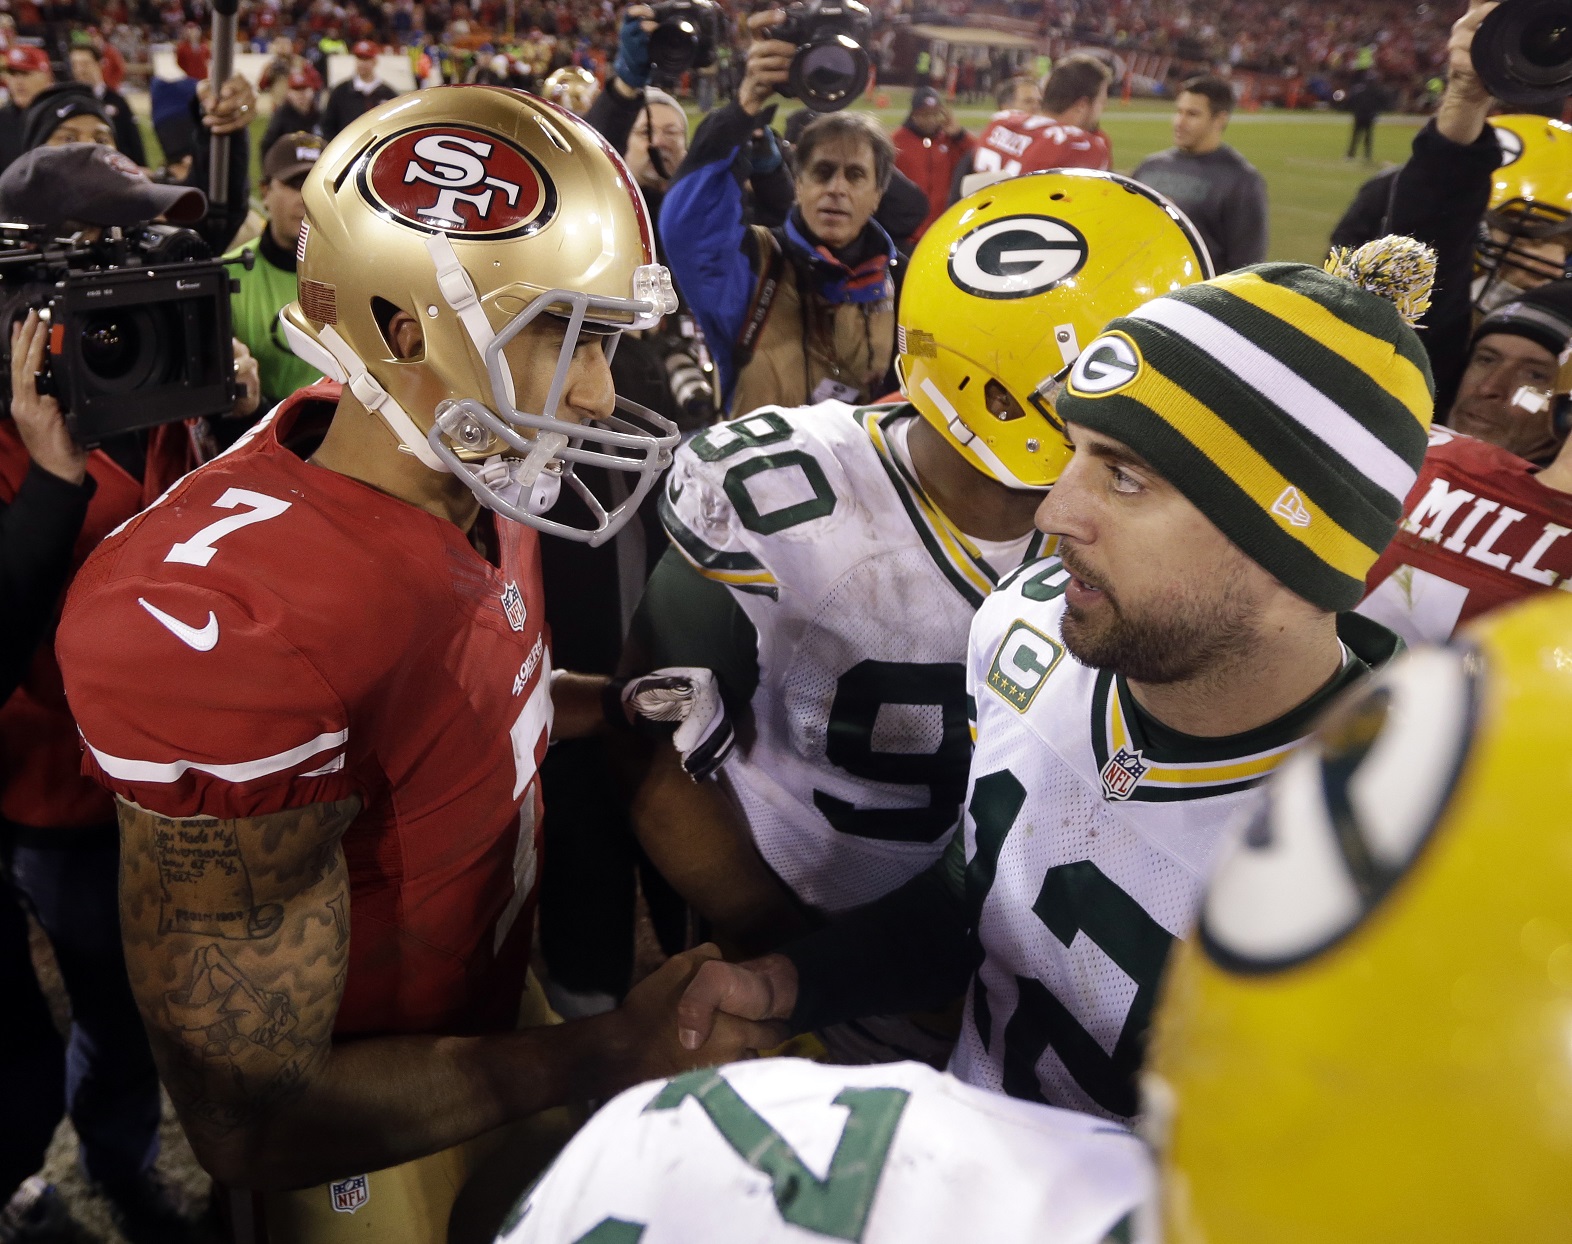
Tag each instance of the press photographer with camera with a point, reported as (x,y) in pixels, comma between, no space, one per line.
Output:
(804,312)
(57,830)
(1443,195)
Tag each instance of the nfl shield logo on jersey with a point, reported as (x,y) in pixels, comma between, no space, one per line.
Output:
(1122,773)
(513,606)
(349,1194)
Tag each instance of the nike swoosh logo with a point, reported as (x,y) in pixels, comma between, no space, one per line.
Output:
(60,112)
(202,639)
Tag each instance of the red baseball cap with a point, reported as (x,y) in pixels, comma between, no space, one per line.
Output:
(24,58)
(365,50)
(304,79)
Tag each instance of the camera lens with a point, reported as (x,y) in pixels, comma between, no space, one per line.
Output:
(828,75)
(121,350)
(1547,41)
(674,45)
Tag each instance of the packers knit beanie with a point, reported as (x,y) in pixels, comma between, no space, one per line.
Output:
(1288,404)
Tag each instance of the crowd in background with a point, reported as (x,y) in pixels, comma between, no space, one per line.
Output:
(1322,45)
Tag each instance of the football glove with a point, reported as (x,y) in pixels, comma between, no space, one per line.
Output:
(684,704)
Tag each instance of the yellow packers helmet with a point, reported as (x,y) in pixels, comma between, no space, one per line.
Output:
(1530,202)
(572,88)
(1005,288)
(1370,1038)
(477,210)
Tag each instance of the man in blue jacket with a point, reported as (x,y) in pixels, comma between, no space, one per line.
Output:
(804,312)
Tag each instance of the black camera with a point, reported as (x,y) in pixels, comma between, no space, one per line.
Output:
(690,377)
(685,35)
(831,66)
(1523,51)
(139,325)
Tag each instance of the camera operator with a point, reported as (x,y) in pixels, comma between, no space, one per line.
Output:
(57,829)
(1441,197)
(801,313)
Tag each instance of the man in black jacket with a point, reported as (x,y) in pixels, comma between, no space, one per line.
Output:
(1440,197)
(87,69)
(358,95)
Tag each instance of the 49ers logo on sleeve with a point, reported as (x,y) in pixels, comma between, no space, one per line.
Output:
(458,179)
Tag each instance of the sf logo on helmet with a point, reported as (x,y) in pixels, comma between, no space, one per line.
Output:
(1105,366)
(455,179)
(1017,257)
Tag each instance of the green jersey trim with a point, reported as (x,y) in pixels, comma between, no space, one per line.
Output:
(1141,760)
(741,571)
(952,551)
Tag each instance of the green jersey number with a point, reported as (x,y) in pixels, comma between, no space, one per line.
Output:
(1075,898)
(849,743)
(837,1205)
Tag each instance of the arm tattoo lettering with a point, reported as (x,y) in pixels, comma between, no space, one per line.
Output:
(203,883)
(237,942)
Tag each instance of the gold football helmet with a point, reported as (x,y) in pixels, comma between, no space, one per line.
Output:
(1005,288)
(572,88)
(1530,202)
(477,210)
(1371,1036)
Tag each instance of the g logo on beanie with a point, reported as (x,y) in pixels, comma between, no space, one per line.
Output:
(1106,366)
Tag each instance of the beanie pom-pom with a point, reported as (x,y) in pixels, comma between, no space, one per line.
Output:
(1396,268)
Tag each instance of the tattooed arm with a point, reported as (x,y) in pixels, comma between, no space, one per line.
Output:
(237,941)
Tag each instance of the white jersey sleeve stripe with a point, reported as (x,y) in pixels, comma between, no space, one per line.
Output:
(244,771)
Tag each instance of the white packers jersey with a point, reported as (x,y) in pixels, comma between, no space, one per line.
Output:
(862,594)
(1088,834)
(781,1151)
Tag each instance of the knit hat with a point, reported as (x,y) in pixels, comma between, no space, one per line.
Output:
(55,105)
(1543,315)
(1289,405)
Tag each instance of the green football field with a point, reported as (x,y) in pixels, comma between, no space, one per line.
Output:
(1300,154)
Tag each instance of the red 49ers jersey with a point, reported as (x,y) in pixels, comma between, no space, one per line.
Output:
(1024,142)
(1478,531)
(270,635)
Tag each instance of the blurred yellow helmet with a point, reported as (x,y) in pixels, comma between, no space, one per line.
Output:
(476,210)
(1005,288)
(572,88)
(1370,1039)
(1530,197)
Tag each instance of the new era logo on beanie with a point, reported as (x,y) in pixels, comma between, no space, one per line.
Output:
(1289,405)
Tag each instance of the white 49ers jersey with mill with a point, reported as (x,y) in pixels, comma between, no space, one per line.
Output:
(781,1151)
(861,594)
(1089,832)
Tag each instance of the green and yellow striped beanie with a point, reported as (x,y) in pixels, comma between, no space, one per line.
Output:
(1290,405)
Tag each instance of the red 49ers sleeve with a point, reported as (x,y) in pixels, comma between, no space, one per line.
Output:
(190,707)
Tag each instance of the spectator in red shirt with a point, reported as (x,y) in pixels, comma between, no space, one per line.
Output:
(191,54)
(928,149)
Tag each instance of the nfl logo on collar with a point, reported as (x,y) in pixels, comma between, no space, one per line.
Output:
(513,606)
(350,1194)
(1122,774)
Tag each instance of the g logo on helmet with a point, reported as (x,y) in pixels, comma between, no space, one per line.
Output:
(460,180)
(1106,366)
(1511,145)
(1017,257)
(1345,817)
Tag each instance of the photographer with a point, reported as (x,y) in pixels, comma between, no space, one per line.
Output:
(801,313)
(1441,197)
(57,829)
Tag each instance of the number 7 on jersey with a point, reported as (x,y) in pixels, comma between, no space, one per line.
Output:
(199,550)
